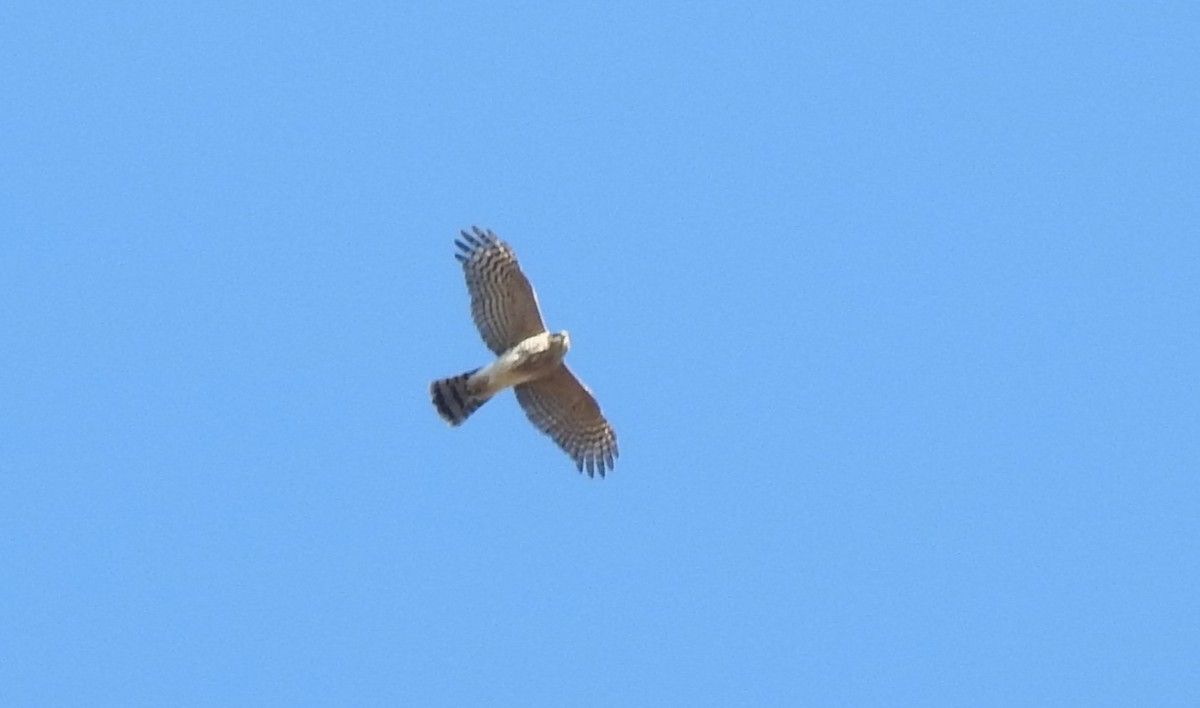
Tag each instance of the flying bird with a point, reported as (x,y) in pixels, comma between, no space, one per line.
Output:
(529,359)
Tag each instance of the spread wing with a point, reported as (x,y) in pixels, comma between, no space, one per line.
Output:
(503,304)
(560,406)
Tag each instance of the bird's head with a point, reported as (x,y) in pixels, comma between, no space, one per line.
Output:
(561,340)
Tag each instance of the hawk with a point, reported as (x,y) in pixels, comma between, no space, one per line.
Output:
(528,358)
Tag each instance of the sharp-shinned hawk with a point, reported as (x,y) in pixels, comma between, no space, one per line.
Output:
(529,359)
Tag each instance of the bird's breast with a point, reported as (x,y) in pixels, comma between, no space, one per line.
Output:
(533,364)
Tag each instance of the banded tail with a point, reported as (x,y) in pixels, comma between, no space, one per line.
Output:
(453,399)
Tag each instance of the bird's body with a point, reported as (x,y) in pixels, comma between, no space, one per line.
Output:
(523,363)
(459,396)
(529,359)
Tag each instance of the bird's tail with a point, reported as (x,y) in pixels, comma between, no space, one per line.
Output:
(453,398)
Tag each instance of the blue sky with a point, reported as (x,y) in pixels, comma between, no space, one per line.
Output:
(895,308)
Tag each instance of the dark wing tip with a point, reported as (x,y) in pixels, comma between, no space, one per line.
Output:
(595,462)
(485,235)
(472,240)
(466,251)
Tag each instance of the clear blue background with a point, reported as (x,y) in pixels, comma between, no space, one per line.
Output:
(895,308)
